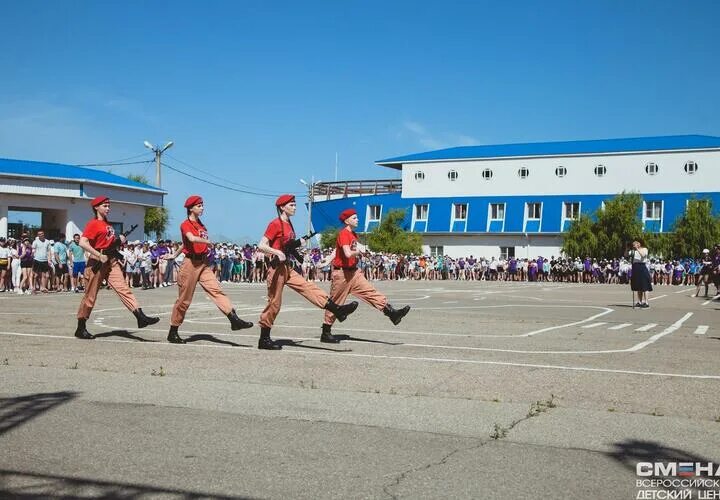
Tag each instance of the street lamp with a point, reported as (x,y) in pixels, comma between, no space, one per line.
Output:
(158,153)
(311,192)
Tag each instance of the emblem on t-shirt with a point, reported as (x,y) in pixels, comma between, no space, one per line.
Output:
(109,231)
(203,234)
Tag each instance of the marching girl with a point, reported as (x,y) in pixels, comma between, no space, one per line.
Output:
(97,238)
(348,279)
(196,269)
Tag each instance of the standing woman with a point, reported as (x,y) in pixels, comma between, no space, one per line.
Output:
(640,278)
(26,262)
(97,239)
(279,232)
(196,269)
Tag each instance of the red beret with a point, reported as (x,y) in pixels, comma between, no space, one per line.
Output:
(284,200)
(193,200)
(348,212)
(98,200)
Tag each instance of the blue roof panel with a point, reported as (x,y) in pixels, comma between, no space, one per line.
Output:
(70,172)
(636,144)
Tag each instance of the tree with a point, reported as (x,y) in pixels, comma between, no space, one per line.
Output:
(390,236)
(695,230)
(156,218)
(607,233)
(329,237)
(580,239)
(618,225)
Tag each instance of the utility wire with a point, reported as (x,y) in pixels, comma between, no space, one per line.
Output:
(244,191)
(116,162)
(224,179)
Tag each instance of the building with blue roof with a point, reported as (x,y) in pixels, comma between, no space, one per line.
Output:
(518,199)
(61,193)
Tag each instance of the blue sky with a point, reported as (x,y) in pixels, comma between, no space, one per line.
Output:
(262,94)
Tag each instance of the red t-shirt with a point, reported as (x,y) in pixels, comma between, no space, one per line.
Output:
(99,233)
(279,233)
(196,229)
(345,237)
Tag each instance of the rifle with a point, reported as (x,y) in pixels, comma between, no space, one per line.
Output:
(113,251)
(291,250)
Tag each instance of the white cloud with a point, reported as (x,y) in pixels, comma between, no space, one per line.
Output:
(422,135)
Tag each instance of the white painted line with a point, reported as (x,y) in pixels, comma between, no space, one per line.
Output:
(701,330)
(658,297)
(666,331)
(300,352)
(594,325)
(683,290)
(706,302)
(620,326)
(647,327)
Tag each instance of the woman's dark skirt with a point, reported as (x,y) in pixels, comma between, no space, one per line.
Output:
(640,279)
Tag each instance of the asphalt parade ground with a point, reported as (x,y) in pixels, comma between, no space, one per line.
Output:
(485,390)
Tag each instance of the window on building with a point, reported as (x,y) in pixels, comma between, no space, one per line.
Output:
(523,172)
(487,174)
(374,212)
(437,251)
(534,210)
(691,167)
(653,210)
(507,252)
(561,171)
(453,175)
(600,170)
(497,211)
(419,175)
(571,210)
(460,211)
(421,212)
(651,168)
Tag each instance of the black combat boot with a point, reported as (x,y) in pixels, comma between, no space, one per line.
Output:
(143,320)
(173,336)
(265,341)
(343,311)
(328,337)
(237,323)
(395,315)
(81,332)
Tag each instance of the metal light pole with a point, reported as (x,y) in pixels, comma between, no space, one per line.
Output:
(311,194)
(158,154)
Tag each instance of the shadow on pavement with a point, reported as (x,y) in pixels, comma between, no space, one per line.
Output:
(293,343)
(357,339)
(28,485)
(210,338)
(629,453)
(122,333)
(16,411)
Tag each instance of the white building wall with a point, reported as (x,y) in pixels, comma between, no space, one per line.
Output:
(488,245)
(625,172)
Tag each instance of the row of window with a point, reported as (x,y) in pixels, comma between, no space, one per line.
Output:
(523,172)
(533,211)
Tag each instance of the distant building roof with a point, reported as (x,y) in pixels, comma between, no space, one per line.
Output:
(39,169)
(628,145)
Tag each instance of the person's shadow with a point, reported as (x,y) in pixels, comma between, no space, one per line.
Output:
(122,333)
(299,343)
(357,339)
(210,338)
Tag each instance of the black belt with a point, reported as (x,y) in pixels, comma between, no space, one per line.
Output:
(197,258)
(353,268)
